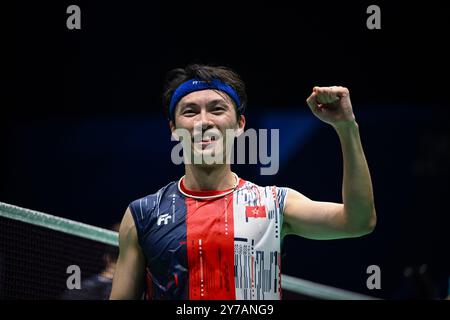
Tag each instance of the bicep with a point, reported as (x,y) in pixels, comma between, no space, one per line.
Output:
(129,274)
(313,219)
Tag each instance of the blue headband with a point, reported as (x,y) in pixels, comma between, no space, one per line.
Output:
(197,84)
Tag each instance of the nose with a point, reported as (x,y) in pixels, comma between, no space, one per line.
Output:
(204,118)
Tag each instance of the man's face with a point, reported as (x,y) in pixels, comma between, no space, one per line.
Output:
(207,115)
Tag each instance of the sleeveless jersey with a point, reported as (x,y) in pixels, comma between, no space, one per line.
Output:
(222,249)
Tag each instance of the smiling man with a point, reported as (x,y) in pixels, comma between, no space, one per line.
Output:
(214,235)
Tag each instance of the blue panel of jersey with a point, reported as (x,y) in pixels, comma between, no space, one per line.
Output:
(160,220)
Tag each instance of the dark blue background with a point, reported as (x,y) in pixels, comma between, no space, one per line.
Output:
(85,135)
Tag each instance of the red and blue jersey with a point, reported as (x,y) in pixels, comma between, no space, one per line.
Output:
(225,248)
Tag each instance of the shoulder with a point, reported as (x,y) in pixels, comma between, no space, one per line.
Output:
(271,192)
(142,207)
(251,185)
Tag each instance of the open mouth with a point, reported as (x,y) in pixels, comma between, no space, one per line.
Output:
(207,142)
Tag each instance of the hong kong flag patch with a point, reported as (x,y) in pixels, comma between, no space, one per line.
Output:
(255,211)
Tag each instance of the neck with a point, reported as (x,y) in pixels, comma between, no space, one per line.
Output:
(198,178)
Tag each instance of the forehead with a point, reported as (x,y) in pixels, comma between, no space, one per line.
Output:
(203,97)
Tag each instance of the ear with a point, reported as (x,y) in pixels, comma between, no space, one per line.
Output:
(241,125)
(172,130)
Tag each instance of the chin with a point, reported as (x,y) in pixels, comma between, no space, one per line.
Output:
(212,154)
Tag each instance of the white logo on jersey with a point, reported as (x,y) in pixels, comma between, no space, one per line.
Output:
(164,217)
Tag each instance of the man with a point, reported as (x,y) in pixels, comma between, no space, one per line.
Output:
(213,235)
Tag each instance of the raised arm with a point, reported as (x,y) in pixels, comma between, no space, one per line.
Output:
(354,217)
(128,282)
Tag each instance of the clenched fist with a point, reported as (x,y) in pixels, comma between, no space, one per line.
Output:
(331,105)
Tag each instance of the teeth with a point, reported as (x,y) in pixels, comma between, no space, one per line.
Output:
(210,139)
(206,138)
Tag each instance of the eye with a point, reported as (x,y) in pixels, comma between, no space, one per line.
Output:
(218,109)
(188,112)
